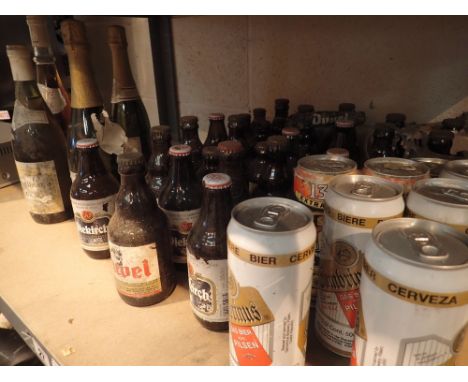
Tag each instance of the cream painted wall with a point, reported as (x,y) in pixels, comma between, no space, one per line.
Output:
(415,65)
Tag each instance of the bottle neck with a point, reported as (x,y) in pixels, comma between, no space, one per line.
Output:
(123,83)
(217,130)
(160,146)
(181,170)
(46,74)
(236,132)
(135,199)
(90,162)
(189,135)
(281,113)
(216,208)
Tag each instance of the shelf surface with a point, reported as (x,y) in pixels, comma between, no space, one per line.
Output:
(64,304)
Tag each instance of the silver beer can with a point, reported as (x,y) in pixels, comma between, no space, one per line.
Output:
(435,165)
(456,169)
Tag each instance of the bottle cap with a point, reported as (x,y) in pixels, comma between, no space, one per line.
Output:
(230,147)
(73,32)
(20,63)
(160,132)
(129,162)
(290,131)
(87,143)
(180,150)
(259,112)
(306,108)
(116,35)
(346,107)
(216,117)
(188,122)
(344,123)
(338,151)
(217,181)
(210,152)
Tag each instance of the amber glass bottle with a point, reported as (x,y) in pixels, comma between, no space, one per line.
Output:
(210,162)
(216,130)
(189,127)
(231,155)
(158,164)
(281,115)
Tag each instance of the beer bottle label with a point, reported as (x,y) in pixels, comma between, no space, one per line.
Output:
(180,225)
(53,98)
(136,270)
(40,187)
(23,116)
(208,284)
(92,218)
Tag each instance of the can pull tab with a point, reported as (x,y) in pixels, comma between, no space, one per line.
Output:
(428,247)
(461,195)
(270,216)
(363,189)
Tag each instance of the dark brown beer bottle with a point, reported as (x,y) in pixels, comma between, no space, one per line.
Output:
(210,162)
(260,126)
(345,138)
(231,156)
(207,254)
(158,164)
(256,166)
(346,108)
(48,79)
(293,153)
(93,196)
(216,130)
(396,119)
(39,146)
(302,120)
(180,200)
(275,179)
(189,127)
(139,239)
(281,115)
(236,128)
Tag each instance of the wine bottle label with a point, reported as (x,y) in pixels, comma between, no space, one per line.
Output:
(40,187)
(180,224)
(92,218)
(23,116)
(208,285)
(53,98)
(133,145)
(136,270)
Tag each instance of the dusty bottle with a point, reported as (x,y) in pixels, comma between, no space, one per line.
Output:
(48,79)
(256,166)
(39,147)
(93,196)
(189,127)
(231,155)
(207,255)
(237,126)
(180,200)
(85,97)
(260,126)
(127,107)
(139,238)
(158,164)
(210,162)
(216,130)
(281,115)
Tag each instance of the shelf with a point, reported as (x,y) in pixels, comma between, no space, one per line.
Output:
(66,308)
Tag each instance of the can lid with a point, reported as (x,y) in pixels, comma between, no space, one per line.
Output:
(365,187)
(435,164)
(290,131)
(217,181)
(210,152)
(230,147)
(87,143)
(443,190)
(180,150)
(398,167)
(344,123)
(327,164)
(339,151)
(271,214)
(216,117)
(422,243)
(458,167)
(188,122)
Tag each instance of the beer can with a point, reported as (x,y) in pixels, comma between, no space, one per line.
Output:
(455,169)
(414,296)
(398,170)
(354,205)
(270,261)
(435,165)
(441,200)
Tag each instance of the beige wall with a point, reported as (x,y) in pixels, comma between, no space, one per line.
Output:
(415,65)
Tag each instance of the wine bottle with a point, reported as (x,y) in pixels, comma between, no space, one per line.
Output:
(48,79)
(127,108)
(39,146)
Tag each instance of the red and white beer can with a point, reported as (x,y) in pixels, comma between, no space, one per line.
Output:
(414,296)
(270,261)
(354,205)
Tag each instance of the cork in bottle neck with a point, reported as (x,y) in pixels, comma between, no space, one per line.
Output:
(20,63)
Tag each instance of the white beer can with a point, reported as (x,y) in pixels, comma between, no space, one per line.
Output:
(397,170)
(435,165)
(456,169)
(441,200)
(354,205)
(414,296)
(270,261)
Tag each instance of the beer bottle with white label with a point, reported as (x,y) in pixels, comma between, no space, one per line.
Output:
(39,147)
(281,115)
(139,240)
(48,79)
(216,130)
(158,165)
(189,127)
(127,108)
(93,195)
(180,200)
(207,254)
(85,97)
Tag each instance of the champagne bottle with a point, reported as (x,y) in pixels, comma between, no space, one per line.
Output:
(127,108)
(85,98)
(48,79)
(39,146)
